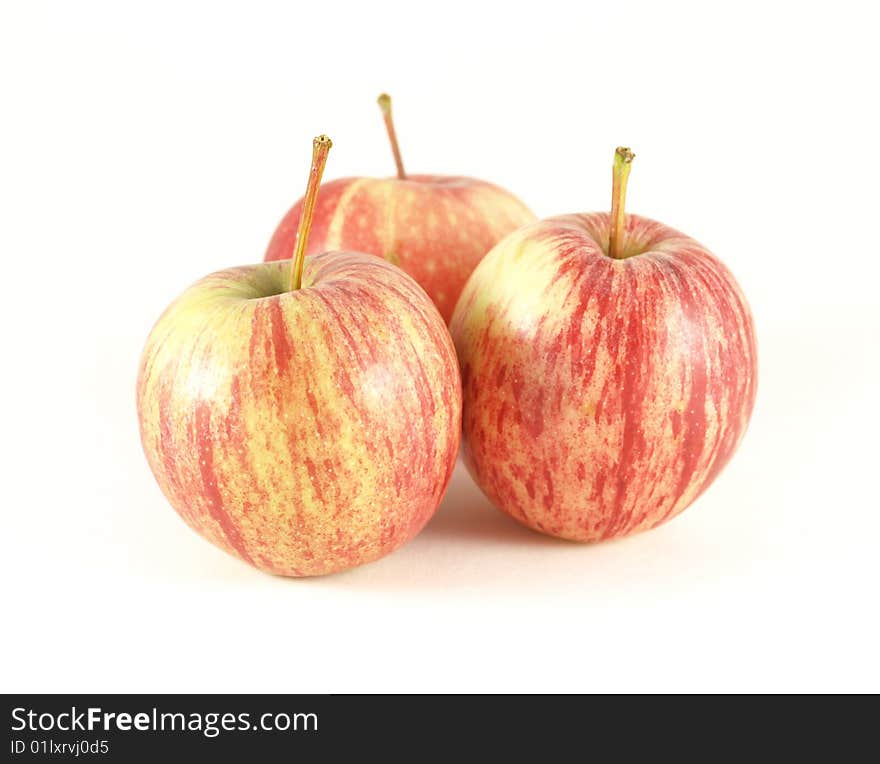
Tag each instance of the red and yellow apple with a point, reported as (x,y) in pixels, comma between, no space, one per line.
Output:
(302,415)
(437,228)
(609,371)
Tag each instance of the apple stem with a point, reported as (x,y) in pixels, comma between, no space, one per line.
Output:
(620,173)
(384,102)
(320,148)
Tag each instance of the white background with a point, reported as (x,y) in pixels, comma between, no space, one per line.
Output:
(145,145)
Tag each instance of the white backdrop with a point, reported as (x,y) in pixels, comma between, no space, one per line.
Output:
(145,145)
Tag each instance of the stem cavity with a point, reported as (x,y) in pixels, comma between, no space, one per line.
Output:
(620,173)
(320,148)
(384,102)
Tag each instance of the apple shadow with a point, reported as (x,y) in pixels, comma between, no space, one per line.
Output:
(466,514)
(456,540)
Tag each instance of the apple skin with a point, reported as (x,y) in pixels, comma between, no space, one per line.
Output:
(601,396)
(437,228)
(305,432)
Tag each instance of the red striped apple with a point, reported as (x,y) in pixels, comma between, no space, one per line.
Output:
(609,370)
(437,228)
(303,415)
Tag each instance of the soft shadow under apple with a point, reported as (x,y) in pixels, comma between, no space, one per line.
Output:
(466,514)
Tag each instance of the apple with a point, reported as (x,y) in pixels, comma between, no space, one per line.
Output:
(303,415)
(437,228)
(609,371)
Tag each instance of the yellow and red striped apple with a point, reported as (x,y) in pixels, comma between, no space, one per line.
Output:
(302,415)
(437,228)
(609,371)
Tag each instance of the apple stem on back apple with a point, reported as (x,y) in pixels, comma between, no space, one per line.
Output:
(620,173)
(320,148)
(384,102)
